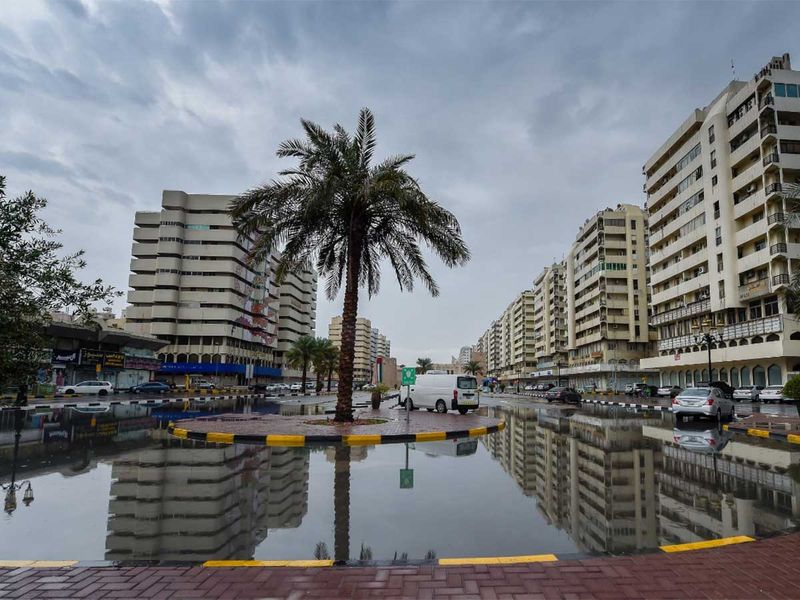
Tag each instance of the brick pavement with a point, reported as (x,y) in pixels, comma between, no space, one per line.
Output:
(764,569)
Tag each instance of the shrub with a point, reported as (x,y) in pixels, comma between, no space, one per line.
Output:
(792,388)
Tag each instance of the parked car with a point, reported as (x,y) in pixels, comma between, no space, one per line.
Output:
(530,388)
(646,391)
(258,387)
(150,387)
(633,389)
(441,392)
(202,384)
(100,388)
(296,387)
(562,394)
(669,391)
(772,393)
(171,384)
(748,393)
(543,387)
(702,401)
(727,390)
(701,440)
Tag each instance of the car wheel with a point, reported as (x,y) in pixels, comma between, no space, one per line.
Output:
(462,411)
(718,416)
(70,392)
(441,407)
(102,393)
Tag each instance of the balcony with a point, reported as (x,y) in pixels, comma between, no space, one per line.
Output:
(754,289)
(773,188)
(771,129)
(730,332)
(753,260)
(695,308)
(780,279)
(766,101)
(777,217)
(772,157)
(779,248)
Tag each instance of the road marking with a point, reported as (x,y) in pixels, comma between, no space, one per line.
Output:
(286,440)
(361,439)
(268,563)
(727,541)
(222,438)
(499,560)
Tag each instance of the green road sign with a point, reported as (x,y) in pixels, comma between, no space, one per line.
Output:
(409,376)
(406,479)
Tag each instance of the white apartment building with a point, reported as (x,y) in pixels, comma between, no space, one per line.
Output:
(509,342)
(721,248)
(193,287)
(607,300)
(549,322)
(465,354)
(370,344)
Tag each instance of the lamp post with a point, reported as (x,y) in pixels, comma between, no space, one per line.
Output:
(706,334)
(11,489)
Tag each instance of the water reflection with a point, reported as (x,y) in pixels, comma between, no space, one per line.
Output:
(619,482)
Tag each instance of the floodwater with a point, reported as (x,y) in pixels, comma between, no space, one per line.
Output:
(557,479)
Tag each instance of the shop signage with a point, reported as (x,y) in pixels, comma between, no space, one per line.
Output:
(64,356)
(143,363)
(114,360)
(55,434)
(98,430)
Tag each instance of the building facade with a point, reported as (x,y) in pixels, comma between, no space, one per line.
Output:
(550,323)
(721,247)
(193,287)
(508,346)
(370,344)
(607,300)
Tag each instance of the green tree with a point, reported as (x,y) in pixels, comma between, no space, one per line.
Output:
(35,280)
(424,365)
(791,200)
(792,388)
(300,355)
(321,354)
(345,215)
(331,362)
(473,367)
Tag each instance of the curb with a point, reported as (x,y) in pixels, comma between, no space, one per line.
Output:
(443,562)
(349,440)
(149,402)
(781,436)
(628,404)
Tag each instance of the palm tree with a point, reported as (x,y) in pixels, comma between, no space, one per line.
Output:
(320,359)
(424,364)
(331,362)
(791,201)
(344,215)
(473,367)
(341,503)
(300,356)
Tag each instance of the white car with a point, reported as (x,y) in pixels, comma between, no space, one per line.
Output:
(772,393)
(295,387)
(441,392)
(748,393)
(100,388)
(703,401)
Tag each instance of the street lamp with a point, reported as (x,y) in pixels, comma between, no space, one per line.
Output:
(11,489)
(706,334)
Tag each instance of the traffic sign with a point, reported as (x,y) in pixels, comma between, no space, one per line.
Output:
(409,376)
(406,479)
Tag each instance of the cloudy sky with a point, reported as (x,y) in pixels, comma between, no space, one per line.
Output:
(525,117)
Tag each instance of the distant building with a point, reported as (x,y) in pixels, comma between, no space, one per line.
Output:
(194,287)
(369,345)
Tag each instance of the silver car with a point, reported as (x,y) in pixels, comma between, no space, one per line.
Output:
(748,393)
(702,401)
(772,393)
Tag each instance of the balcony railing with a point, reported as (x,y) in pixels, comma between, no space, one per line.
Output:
(754,289)
(777,217)
(780,279)
(767,129)
(731,332)
(778,248)
(771,158)
(679,313)
(766,101)
(773,188)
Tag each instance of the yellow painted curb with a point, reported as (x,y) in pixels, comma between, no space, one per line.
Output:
(738,539)
(758,432)
(286,440)
(499,560)
(222,438)
(501,425)
(793,438)
(361,440)
(477,431)
(37,564)
(180,433)
(431,436)
(268,563)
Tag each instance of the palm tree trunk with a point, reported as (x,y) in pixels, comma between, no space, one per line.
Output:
(305,374)
(344,396)
(330,376)
(341,504)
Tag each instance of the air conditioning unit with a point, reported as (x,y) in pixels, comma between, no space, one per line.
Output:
(751,188)
(701,270)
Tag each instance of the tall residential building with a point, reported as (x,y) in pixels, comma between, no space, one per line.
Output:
(721,248)
(509,342)
(193,287)
(550,320)
(607,299)
(465,354)
(367,347)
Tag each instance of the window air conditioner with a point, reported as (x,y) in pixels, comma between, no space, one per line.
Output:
(701,270)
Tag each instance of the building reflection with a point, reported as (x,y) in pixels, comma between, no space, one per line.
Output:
(187,501)
(618,482)
(710,487)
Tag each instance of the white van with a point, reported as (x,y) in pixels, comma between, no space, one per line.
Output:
(441,392)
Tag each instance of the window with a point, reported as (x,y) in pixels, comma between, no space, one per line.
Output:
(745,376)
(637,331)
(711,135)
(199,227)
(774,376)
(791,90)
(790,146)
(780,89)
(718,235)
(689,157)
(719,263)
(755,310)
(714,180)
(633,224)
(713,158)
(770,306)
(760,245)
(716,209)
(759,376)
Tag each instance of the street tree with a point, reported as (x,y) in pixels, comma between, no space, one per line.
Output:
(36,279)
(300,355)
(330,362)
(320,360)
(424,365)
(473,367)
(344,215)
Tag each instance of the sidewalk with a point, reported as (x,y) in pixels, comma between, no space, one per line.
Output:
(763,569)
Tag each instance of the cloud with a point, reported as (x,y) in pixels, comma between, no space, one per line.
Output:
(525,118)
